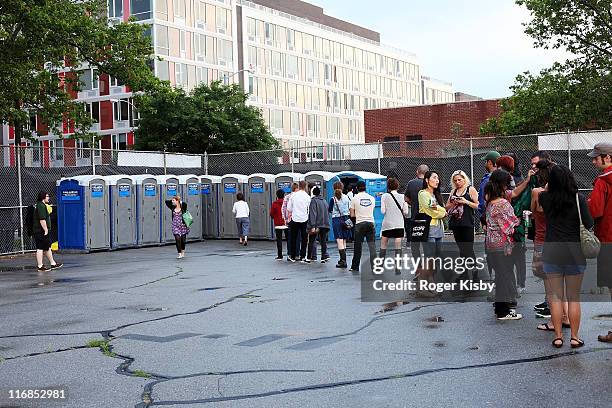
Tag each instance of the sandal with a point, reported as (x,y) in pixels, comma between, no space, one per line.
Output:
(579,342)
(605,338)
(545,327)
(557,345)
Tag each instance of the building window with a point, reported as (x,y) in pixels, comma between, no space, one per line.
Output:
(222,20)
(290,39)
(162,69)
(225,52)
(119,141)
(115,8)
(201,75)
(276,119)
(292,66)
(182,43)
(295,123)
(179,10)
(93,109)
(89,79)
(121,110)
(140,9)
(252,28)
(180,74)
(414,142)
(200,14)
(56,150)
(161,40)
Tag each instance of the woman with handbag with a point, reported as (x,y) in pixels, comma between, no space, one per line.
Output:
(395,210)
(564,261)
(460,207)
(179,227)
(341,222)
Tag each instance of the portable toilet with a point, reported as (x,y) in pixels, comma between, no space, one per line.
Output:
(231,184)
(83,213)
(261,194)
(122,203)
(376,186)
(147,210)
(283,181)
(324,180)
(210,206)
(190,185)
(169,187)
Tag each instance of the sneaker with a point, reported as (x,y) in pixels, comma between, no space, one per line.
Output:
(512,315)
(56,266)
(540,306)
(341,265)
(279,258)
(306,261)
(178,256)
(353,270)
(543,314)
(324,260)
(291,259)
(43,269)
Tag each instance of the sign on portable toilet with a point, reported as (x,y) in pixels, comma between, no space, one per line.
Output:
(147,210)
(169,187)
(283,181)
(376,186)
(231,184)
(260,197)
(190,185)
(324,180)
(122,202)
(83,214)
(210,205)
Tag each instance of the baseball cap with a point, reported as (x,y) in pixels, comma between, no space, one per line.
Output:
(492,155)
(601,148)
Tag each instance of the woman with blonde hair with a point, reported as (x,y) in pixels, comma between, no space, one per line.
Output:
(462,202)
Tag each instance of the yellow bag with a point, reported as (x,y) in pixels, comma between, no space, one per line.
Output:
(54,246)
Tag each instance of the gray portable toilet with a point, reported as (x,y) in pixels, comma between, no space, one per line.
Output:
(97,218)
(261,194)
(283,181)
(190,185)
(147,210)
(231,184)
(210,206)
(122,202)
(324,180)
(169,187)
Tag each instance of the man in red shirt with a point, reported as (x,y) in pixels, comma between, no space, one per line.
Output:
(600,206)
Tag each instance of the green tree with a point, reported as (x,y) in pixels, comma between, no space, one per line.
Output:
(45,43)
(213,119)
(576,94)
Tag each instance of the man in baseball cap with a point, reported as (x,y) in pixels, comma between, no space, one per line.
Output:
(490,160)
(600,207)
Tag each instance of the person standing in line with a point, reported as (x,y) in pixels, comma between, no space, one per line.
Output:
(411,195)
(362,208)
(395,210)
(279,223)
(500,224)
(298,207)
(564,262)
(540,155)
(462,202)
(339,208)
(179,229)
(41,232)
(490,160)
(432,204)
(287,217)
(243,223)
(317,225)
(600,205)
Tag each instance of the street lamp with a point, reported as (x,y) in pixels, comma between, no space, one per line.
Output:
(227,78)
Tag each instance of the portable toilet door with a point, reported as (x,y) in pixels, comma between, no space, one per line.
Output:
(231,184)
(260,198)
(376,186)
(147,210)
(210,206)
(71,218)
(168,188)
(324,180)
(122,201)
(190,185)
(283,181)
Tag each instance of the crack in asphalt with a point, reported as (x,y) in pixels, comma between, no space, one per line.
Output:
(175,274)
(374,379)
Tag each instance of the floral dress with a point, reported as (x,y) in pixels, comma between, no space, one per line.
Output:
(501,222)
(178,226)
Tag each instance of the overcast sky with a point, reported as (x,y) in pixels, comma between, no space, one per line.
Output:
(478,45)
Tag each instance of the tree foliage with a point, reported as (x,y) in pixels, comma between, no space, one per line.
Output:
(576,94)
(44,44)
(213,119)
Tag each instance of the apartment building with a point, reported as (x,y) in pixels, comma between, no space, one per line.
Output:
(312,75)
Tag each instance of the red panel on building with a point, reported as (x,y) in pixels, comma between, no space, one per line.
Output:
(11,134)
(104,84)
(106,115)
(130,139)
(45,145)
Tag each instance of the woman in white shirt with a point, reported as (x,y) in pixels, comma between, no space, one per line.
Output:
(395,209)
(243,223)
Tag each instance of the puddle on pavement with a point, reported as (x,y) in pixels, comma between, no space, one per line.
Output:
(49,281)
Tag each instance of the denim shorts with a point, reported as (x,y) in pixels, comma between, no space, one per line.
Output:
(554,269)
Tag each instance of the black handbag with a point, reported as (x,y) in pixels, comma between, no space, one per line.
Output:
(419,230)
(347,223)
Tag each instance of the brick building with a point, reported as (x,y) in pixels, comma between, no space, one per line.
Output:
(420,124)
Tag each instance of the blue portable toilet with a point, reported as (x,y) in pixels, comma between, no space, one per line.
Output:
(324,180)
(231,184)
(83,213)
(376,186)
(147,210)
(122,204)
(211,209)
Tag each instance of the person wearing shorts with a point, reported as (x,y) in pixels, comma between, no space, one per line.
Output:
(241,212)
(395,210)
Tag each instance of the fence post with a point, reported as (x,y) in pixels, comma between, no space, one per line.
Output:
(20,198)
(91,155)
(569,150)
(378,153)
(205,163)
(165,169)
(291,156)
(472,159)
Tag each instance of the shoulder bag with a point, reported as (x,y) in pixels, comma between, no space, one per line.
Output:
(589,243)
(399,206)
(347,222)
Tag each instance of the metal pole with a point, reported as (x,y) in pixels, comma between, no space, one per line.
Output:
(206,163)
(569,150)
(291,156)
(379,146)
(18,150)
(91,153)
(472,160)
(165,169)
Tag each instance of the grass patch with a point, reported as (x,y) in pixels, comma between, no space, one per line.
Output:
(140,373)
(103,345)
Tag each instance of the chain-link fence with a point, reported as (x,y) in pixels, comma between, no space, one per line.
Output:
(27,170)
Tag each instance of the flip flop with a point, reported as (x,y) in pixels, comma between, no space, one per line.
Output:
(545,327)
(580,342)
(557,345)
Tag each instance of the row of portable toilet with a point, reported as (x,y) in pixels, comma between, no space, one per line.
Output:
(102,212)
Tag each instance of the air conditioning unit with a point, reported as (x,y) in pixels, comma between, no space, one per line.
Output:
(221,30)
(92,94)
(292,104)
(121,124)
(222,62)
(200,58)
(307,52)
(278,73)
(310,133)
(115,90)
(290,47)
(200,24)
(309,80)
(291,76)
(252,38)
(253,98)
(315,107)
(269,42)
(327,82)
(271,101)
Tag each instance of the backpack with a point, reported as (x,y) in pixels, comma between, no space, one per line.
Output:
(29,220)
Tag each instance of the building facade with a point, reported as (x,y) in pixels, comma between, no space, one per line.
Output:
(311,75)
